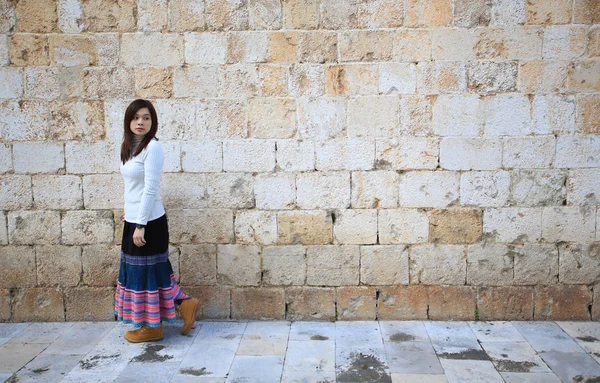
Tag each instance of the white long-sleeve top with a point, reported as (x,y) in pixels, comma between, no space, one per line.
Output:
(142,173)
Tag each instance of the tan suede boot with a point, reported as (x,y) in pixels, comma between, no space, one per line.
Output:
(145,334)
(188,309)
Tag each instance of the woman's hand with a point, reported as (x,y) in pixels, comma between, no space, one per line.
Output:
(138,237)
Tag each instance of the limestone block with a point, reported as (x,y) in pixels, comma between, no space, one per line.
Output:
(108,82)
(397,78)
(583,187)
(373,14)
(505,303)
(323,190)
(215,302)
(489,265)
(238,265)
(577,152)
(25,153)
(384,265)
(332,265)
(70,16)
(15,192)
(307,227)
(73,50)
(356,303)
(230,190)
(486,77)
(205,48)
(38,305)
(255,227)
(247,47)
(568,224)
(528,152)
(431,14)
(538,187)
(8,18)
(100,16)
(258,304)
(239,80)
(58,266)
(222,15)
(87,227)
(66,84)
(513,224)
(295,155)
(57,192)
(588,113)
(283,47)
(339,14)
(100,265)
(264,14)
(172,152)
(458,153)
(554,114)
(275,191)
(153,82)
(438,264)
(139,49)
(428,189)
(92,158)
(284,265)
(18,262)
(365,46)
(272,80)
(579,264)
(12,83)
(355,227)
(564,42)
(202,157)
(403,226)
(321,118)
(373,116)
(402,303)
(4,53)
(510,43)
(6,160)
(178,119)
(585,12)
(583,76)
(5,309)
(249,155)
(458,115)
(411,45)
(186,15)
(562,302)
(189,226)
(29,50)
(548,12)
(270,117)
(415,116)
(352,79)
(318,47)
(498,122)
(300,14)
(37,227)
(77,120)
(470,14)
(374,189)
(508,12)
(306,80)
(78,308)
(41,82)
(453,44)
(407,153)
(107,48)
(36,16)
(184,191)
(437,77)
(152,15)
(222,118)
(456,225)
(195,81)
(310,303)
(542,76)
(345,154)
(485,189)
(593,45)
(198,264)
(451,302)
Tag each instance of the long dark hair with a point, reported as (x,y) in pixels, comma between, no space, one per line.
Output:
(128,134)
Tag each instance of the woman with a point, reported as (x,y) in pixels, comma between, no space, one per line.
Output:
(146,291)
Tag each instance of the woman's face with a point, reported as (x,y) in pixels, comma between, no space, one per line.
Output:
(141,123)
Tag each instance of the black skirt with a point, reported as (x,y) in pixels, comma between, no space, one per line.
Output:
(156,236)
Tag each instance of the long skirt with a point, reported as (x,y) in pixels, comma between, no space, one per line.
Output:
(146,289)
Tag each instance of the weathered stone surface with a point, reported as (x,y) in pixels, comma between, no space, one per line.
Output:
(583,76)
(78,307)
(87,227)
(585,12)
(579,264)
(28,50)
(272,80)
(36,16)
(189,226)
(15,192)
(118,218)
(38,305)
(300,14)
(91,158)
(513,224)
(264,14)
(5,309)
(339,14)
(489,265)
(415,116)
(205,48)
(318,47)
(451,302)
(8,17)
(18,262)
(556,115)
(3,230)
(384,265)
(485,189)
(535,264)
(271,117)
(548,12)
(436,77)
(249,155)
(283,47)
(500,123)
(202,157)
(153,82)
(373,116)
(365,46)
(583,187)
(411,45)
(198,265)
(57,192)
(433,14)
(238,265)
(508,12)
(458,115)
(457,153)
(230,190)
(4,53)
(505,303)
(70,16)
(107,48)
(438,264)
(577,152)
(222,119)
(100,16)
(186,15)
(180,190)
(486,77)
(374,189)
(428,189)
(588,113)
(284,265)
(332,265)
(58,266)
(77,120)
(567,223)
(258,304)
(510,43)
(239,80)
(458,225)
(352,79)
(295,155)
(275,191)
(107,82)
(380,14)
(73,50)
(102,191)
(355,227)
(454,44)
(306,80)
(407,153)
(6,161)
(345,154)
(323,190)
(215,302)
(52,153)
(356,303)
(247,47)
(564,42)
(223,15)
(542,76)
(321,118)
(100,265)
(308,227)
(596,308)
(12,80)
(470,14)
(34,227)
(40,82)
(537,187)
(402,303)
(310,303)
(593,44)
(139,49)
(152,15)
(24,120)
(255,227)
(562,302)
(403,226)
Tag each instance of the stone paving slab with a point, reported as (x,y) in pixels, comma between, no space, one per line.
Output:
(334,352)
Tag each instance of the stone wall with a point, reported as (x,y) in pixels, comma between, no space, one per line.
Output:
(325,159)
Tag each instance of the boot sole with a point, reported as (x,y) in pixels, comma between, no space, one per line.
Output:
(144,340)
(190,319)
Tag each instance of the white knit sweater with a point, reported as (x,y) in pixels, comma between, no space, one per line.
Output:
(142,174)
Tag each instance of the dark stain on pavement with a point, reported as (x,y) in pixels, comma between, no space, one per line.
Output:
(364,368)
(13,379)
(401,337)
(229,337)
(319,337)
(40,370)
(466,355)
(587,338)
(150,354)
(195,371)
(89,363)
(504,365)
(586,379)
